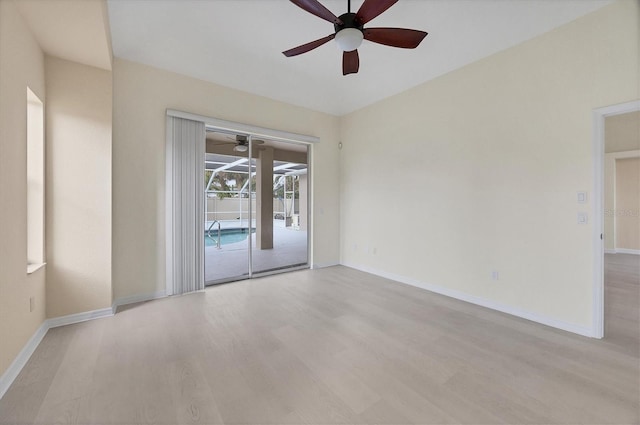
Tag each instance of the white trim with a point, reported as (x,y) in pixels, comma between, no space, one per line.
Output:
(627,251)
(22,358)
(250,190)
(609,251)
(599,115)
(237,127)
(30,347)
(597,315)
(27,351)
(168,209)
(258,275)
(625,154)
(324,265)
(138,299)
(34,267)
(483,302)
(310,205)
(79,317)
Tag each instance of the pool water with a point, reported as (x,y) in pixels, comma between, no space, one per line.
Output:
(227,236)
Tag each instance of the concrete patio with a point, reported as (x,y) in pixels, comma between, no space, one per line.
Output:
(231,260)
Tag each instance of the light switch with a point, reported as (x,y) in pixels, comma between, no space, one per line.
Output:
(582,197)
(583,218)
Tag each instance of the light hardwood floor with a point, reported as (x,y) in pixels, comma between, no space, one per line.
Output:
(331,346)
(622,302)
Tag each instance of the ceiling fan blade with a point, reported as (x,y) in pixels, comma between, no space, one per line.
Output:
(308,47)
(395,37)
(372,8)
(314,7)
(350,62)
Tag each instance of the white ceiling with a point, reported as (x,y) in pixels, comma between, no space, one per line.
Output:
(238,43)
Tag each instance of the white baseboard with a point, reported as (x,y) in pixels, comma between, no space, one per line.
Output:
(79,317)
(609,251)
(323,265)
(22,358)
(627,251)
(462,296)
(137,299)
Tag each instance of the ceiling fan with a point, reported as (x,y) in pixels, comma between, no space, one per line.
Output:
(241,143)
(350,31)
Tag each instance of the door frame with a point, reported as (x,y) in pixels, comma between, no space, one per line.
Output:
(253,132)
(598,145)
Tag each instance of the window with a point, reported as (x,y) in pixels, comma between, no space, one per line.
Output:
(35,182)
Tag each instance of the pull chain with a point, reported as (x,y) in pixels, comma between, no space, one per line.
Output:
(349,5)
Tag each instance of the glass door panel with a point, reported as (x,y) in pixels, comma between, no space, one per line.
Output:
(227,203)
(281,233)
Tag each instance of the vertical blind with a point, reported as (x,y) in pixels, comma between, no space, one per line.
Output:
(185,205)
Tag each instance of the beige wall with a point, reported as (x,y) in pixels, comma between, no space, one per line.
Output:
(610,210)
(79,101)
(621,140)
(487,161)
(628,203)
(21,65)
(141,96)
(622,132)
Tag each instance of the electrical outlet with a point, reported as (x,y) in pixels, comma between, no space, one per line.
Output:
(495,275)
(32,304)
(375,250)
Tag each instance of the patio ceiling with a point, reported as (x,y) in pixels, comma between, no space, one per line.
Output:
(239,164)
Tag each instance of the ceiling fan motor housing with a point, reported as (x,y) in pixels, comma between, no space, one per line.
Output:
(349,32)
(348,20)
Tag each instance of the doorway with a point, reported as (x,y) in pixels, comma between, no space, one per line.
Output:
(622,231)
(617,226)
(256,210)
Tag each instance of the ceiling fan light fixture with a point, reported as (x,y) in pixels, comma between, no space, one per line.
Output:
(349,31)
(349,39)
(240,148)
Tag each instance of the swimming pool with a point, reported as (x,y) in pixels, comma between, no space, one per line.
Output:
(227,236)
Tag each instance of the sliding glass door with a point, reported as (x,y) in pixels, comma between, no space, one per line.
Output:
(256,206)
